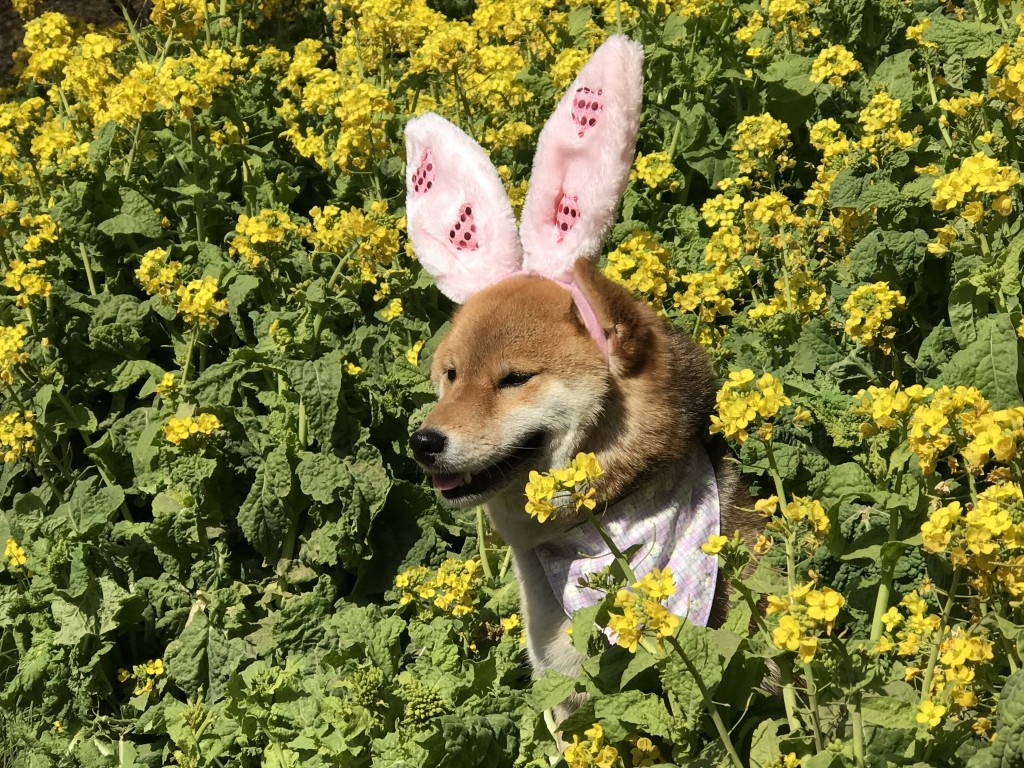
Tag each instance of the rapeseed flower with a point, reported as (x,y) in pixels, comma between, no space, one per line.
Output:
(178,430)
(197,304)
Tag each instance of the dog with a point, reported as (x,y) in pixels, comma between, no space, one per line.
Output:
(546,357)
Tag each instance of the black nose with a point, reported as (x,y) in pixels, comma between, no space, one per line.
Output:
(427,444)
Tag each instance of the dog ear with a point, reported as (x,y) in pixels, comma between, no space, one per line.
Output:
(627,322)
(459,218)
(582,163)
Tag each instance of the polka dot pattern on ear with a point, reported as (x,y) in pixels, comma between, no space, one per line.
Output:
(586,108)
(566,215)
(423,178)
(463,232)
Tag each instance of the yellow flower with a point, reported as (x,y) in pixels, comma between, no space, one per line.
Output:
(177,430)
(16,434)
(156,276)
(742,402)
(657,585)
(654,169)
(714,545)
(833,64)
(929,713)
(166,385)
(823,605)
(27,279)
(761,145)
(15,554)
(260,236)
(197,304)
(413,353)
(392,310)
(868,310)
(352,369)
(12,354)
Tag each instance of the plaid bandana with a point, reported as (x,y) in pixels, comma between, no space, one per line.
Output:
(667,520)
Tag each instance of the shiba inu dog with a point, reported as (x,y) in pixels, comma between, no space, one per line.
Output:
(546,357)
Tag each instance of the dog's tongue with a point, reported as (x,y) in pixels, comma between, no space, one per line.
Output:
(446,482)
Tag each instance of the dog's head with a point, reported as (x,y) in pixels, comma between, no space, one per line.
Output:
(527,366)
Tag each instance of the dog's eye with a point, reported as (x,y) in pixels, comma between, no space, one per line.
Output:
(514,379)
(450,373)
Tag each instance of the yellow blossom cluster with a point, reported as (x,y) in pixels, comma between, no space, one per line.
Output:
(45,47)
(707,295)
(257,237)
(915,34)
(868,310)
(883,405)
(1006,77)
(880,120)
(197,304)
(796,293)
(640,263)
(964,413)
(591,752)
(555,491)
(41,229)
(143,675)
(157,276)
(16,433)
(178,430)
(654,169)
(987,538)
(833,65)
(369,239)
(912,631)
(27,279)
(641,609)
(15,554)
(56,145)
(451,588)
(804,613)
(186,16)
(977,176)
(392,311)
(182,85)
(761,145)
(744,402)
(12,350)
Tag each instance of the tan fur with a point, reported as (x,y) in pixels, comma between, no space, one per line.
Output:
(644,408)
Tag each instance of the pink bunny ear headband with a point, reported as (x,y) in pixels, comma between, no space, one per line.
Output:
(459,217)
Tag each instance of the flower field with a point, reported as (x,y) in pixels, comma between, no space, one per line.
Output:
(214,342)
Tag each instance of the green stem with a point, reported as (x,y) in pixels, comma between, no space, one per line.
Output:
(789,695)
(933,655)
(481,544)
(716,717)
(857,725)
(620,558)
(812,700)
(506,563)
(88,269)
(303,426)
(187,365)
(885,586)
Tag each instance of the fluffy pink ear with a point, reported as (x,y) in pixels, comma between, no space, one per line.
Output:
(582,163)
(459,217)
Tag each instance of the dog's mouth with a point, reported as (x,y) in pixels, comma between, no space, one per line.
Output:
(462,486)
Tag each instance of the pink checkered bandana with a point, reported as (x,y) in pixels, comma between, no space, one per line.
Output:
(669,518)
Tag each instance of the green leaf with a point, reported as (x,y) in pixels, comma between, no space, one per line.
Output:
(136,216)
(318,383)
(990,362)
(625,713)
(792,72)
(93,506)
(969,39)
(202,657)
(264,517)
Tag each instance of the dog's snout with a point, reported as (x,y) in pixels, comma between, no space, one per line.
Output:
(427,444)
